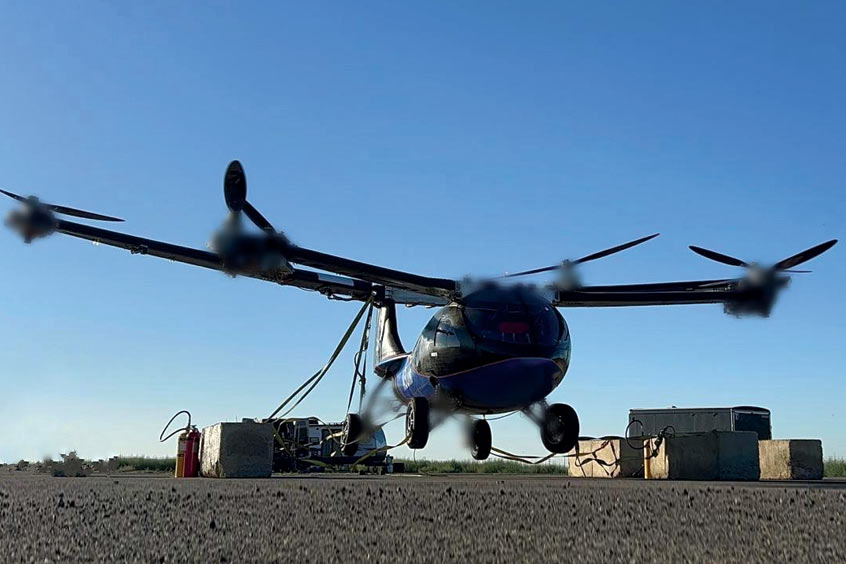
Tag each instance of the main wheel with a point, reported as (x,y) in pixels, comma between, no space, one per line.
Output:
(352,432)
(480,439)
(417,423)
(560,428)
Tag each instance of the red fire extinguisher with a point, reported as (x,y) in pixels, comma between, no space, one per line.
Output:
(188,453)
(188,448)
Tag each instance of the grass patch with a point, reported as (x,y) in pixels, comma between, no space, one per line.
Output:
(145,464)
(474,467)
(835,468)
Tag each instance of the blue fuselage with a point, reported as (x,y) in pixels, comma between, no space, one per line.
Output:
(500,350)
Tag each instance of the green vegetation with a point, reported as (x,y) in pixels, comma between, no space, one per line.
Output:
(145,464)
(472,467)
(835,468)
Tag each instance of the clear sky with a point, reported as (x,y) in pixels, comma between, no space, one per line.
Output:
(443,139)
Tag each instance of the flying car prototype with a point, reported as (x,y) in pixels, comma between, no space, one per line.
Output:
(493,347)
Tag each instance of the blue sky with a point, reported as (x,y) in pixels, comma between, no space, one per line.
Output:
(443,139)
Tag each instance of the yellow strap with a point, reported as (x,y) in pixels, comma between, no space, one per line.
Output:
(315,379)
(385,448)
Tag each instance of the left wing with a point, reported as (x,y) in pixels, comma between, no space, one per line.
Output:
(754,293)
(738,295)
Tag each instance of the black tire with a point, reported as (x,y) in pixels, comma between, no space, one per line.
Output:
(560,428)
(352,432)
(480,439)
(417,423)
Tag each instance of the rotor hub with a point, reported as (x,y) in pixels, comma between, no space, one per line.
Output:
(31,222)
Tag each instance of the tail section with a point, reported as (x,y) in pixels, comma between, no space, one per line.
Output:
(388,350)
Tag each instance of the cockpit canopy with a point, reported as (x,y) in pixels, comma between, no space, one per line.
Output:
(512,315)
(490,325)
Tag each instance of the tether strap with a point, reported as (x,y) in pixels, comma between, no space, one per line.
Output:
(315,379)
(361,362)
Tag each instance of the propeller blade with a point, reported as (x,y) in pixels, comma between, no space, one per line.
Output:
(81,213)
(235,193)
(719,257)
(256,217)
(14,196)
(533,271)
(63,209)
(804,256)
(235,187)
(587,258)
(616,249)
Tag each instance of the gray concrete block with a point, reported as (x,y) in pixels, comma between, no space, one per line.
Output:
(716,455)
(738,456)
(791,459)
(607,458)
(237,450)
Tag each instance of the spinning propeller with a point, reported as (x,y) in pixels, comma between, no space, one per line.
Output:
(762,283)
(568,278)
(36,218)
(785,265)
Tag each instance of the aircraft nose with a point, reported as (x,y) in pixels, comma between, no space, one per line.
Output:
(505,385)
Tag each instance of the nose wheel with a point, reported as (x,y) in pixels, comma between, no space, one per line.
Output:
(559,428)
(417,423)
(480,439)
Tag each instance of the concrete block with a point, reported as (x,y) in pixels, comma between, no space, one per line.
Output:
(608,458)
(716,455)
(792,459)
(237,450)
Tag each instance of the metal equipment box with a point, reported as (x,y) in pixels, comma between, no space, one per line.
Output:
(650,422)
(308,444)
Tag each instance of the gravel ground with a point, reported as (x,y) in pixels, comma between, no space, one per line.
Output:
(417,519)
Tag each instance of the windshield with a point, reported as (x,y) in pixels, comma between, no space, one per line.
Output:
(518,323)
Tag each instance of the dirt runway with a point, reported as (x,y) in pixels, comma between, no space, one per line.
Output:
(407,518)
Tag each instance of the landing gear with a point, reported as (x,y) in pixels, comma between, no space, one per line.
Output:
(417,423)
(480,439)
(559,428)
(353,430)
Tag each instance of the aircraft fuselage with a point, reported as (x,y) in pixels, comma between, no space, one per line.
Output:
(501,349)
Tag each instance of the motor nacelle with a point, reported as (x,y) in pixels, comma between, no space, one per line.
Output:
(31,221)
(249,253)
(759,292)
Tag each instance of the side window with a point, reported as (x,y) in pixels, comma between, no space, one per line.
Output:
(445,335)
(429,330)
(425,343)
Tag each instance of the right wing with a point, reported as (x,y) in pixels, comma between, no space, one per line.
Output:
(327,284)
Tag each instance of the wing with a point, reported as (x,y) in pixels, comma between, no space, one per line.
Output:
(330,285)
(737,295)
(376,274)
(326,284)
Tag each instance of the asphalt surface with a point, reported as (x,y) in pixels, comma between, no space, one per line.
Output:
(417,519)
